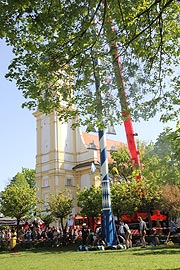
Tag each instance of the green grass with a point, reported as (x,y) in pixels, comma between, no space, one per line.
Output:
(161,258)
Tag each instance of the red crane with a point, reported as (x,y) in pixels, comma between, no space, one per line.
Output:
(130,135)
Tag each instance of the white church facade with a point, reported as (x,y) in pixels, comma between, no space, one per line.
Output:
(64,158)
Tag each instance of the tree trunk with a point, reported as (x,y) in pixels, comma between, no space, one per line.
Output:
(18,221)
(62,226)
(92,223)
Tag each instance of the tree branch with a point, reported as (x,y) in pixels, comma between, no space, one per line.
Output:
(152,22)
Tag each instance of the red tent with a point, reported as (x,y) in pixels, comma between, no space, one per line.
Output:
(158,216)
(126,218)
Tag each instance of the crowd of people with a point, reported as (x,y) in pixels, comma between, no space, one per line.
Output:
(52,235)
(28,234)
(82,234)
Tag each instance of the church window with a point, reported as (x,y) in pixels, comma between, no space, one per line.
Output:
(69,182)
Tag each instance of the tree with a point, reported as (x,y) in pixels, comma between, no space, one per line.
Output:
(47,219)
(160,161)
(27,174)
(151,169)
(132,196)
(30,175)
(171,199)
(18,200)
(90,202)
(125,198)
(54,63)
(19,179)
(151,197)
(121,167)
(173,137)
(60,206)
(167,150)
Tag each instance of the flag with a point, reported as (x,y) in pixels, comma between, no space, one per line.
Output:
(93,167)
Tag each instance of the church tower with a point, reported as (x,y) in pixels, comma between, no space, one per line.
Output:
(63,161)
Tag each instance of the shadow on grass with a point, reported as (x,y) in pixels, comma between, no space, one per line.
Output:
(170,269)
(137,251)
(161,250)
(45,249)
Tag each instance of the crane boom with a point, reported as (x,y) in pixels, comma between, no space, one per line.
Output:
(130,135)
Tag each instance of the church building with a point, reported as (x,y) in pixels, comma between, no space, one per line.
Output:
(66,158)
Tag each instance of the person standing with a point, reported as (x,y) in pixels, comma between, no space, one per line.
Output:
(142,231)
(125,232)
(178,225)
(172,227)
(85,233)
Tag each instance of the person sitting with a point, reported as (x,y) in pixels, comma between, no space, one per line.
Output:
(121,240)
(99,242)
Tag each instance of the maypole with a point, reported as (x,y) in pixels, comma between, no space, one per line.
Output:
(108,224)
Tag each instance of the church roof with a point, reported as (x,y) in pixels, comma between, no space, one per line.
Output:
(92,142)
(86,164)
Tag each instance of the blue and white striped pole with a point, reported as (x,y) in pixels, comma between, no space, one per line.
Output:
(108,225)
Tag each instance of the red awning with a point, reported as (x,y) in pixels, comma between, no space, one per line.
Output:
(126,218)
(158,216)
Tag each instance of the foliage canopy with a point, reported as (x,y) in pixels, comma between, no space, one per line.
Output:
(90,201)
(60,206)
(18,199)
(161,161)
(171,199)
(57,43)
(27,175)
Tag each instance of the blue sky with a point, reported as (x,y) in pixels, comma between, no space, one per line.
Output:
(18,127)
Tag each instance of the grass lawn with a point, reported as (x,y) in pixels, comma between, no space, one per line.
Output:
(151,258)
